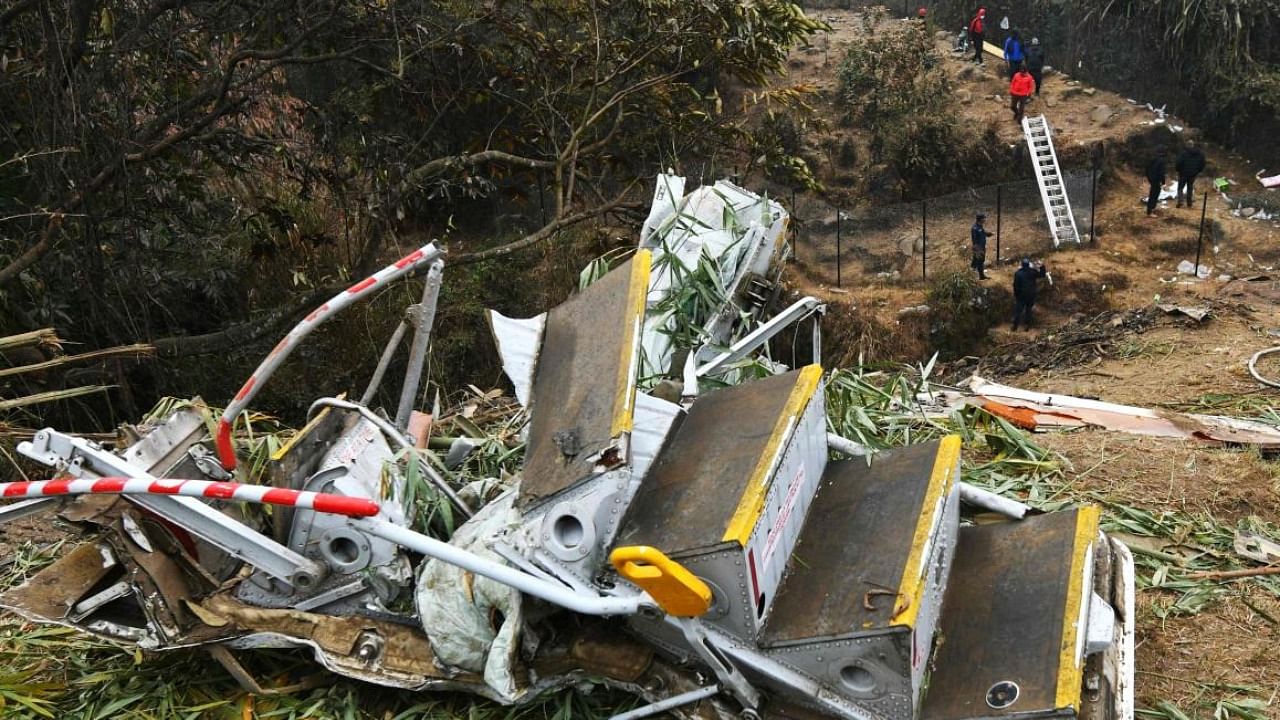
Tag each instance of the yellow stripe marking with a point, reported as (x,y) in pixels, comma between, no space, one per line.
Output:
(1070,665)
(278,455)
(941,480)
(751,504)
(637,291)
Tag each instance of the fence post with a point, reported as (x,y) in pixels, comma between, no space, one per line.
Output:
(924,240)
(795,225)
(1095,158)
(999,217)
(839,214)
(1204,208)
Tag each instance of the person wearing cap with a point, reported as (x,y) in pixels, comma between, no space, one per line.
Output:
(1025,281)
(978,234)
(1189,164)
(1035,62)
(976,28)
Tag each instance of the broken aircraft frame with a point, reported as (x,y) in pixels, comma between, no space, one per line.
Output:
(756,573)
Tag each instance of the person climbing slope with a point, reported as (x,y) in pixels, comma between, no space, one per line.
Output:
(976,28)
(1035,62)
(1013,53)
(1020,89)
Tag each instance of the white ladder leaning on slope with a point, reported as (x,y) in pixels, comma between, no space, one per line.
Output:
(1057,208)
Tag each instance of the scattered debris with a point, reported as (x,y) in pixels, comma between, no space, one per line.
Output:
(1186,267)
(1253,366)
(1042,411)
(1268,182)
(1257,547)
(1195,313)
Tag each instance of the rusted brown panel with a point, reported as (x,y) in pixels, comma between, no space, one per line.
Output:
(406,650)
(1002,618)
(695,483)
(847,566)
(575,386)
(52,592)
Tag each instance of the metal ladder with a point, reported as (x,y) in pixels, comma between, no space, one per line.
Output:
(1057,208)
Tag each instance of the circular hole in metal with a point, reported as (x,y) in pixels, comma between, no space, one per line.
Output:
(857,678)
(344,550)
(568,531)
(1002,694)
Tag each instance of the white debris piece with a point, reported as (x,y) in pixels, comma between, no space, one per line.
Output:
(1186,267)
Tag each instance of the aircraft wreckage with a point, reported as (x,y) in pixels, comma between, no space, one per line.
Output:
(678,529)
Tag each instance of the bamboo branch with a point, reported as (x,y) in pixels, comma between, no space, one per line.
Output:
(1229,574)
(52,395)
(137,350)
(44,336)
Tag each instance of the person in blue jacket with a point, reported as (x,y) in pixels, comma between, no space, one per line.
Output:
(1013,51)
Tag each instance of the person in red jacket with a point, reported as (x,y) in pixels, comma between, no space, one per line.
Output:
(976,27)
(1020,89)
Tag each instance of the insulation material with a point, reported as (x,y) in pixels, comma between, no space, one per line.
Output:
(1041,411)
(457,607)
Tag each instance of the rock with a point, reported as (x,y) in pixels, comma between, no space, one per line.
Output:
(943,35)
(1248,212)
(964,96)
(1071,92)
(913,311)
(907,245)
(1089,91)
(1050,102)
(1101,114)
(968,72)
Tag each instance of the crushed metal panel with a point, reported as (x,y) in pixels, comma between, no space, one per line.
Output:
(583,391)
(518,342)
(1009,618)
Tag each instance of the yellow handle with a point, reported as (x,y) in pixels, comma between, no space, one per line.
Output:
(678,591)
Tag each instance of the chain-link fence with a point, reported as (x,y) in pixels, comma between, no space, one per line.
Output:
(911,242)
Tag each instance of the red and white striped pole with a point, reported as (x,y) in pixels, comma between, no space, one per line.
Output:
(259,494)
(226,451)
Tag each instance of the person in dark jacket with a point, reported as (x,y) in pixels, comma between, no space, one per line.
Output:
(1035,62)
(1155,176)
(1024,292)
(1013,54)
(978,234)
(1189,164)
(977,26)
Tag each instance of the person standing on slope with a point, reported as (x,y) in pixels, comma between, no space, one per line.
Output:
(1155,176)
(978,235)
(1189,164)
(976,27)
(1020,89)
(1013,54)
(1025,282)
(1035,62)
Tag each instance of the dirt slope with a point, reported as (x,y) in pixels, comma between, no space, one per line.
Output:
(1229,648)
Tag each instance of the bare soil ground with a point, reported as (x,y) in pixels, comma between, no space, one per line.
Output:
(1173,362)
